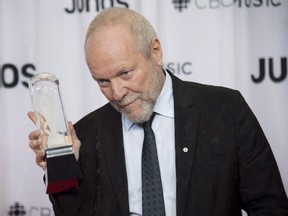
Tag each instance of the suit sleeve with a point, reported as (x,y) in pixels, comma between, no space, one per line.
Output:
(81,201)
(261,188)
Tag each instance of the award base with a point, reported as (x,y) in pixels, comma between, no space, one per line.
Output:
(62,173)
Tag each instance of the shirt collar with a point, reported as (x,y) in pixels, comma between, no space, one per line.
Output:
(164,104)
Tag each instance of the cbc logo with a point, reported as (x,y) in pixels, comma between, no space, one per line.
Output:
(42,211)
(215,4)
(19,210)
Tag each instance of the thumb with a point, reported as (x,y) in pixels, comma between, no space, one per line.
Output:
(76,144)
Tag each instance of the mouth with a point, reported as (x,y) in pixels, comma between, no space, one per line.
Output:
(127,105)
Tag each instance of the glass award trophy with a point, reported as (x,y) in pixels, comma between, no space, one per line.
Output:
(62,170)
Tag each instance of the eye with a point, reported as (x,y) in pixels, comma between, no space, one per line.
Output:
(103,82)
(126,74)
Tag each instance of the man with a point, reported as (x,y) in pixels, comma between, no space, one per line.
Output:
(214,158)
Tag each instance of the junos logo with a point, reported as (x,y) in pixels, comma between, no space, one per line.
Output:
(11,75)
(215,4)
(273,74)
(93,5)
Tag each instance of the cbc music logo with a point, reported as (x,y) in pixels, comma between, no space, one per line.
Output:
(215,4)
(276,72)
(85,6)
(179,68)
(18,209)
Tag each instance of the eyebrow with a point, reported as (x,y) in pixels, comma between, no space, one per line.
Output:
(122,69)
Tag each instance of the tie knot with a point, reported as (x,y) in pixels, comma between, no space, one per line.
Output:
(149,122)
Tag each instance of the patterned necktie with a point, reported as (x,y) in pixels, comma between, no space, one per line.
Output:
(152,193)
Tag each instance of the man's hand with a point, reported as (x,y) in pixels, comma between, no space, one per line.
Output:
(36,145)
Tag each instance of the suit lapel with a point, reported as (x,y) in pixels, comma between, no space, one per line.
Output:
(112,142)
(186,130)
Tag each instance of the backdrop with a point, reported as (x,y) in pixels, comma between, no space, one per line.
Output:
(241,44)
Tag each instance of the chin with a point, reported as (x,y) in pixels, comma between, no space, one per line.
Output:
(139,117)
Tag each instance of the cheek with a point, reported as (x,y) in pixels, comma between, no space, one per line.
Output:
(141,82)
(138,86)
(107,93)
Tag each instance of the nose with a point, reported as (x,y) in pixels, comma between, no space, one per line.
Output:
(118,90)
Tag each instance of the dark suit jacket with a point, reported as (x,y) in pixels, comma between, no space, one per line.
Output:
(229,165)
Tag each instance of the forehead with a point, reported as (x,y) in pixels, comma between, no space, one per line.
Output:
(110,33)
(111,39)
(110,50)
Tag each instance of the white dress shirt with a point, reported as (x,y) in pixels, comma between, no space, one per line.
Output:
(133,134)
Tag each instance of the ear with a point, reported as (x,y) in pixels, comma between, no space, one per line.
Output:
(157,51)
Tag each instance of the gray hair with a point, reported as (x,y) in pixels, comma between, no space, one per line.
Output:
(141,29)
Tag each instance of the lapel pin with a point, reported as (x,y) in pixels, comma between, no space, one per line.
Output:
(185,149)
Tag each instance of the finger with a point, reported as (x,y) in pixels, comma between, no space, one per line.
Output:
(72,132)
(41,159)
(32,116)
(36,145)
(35,140)
(34,135)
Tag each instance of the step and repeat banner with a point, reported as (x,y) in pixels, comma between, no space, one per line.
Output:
(241,44)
